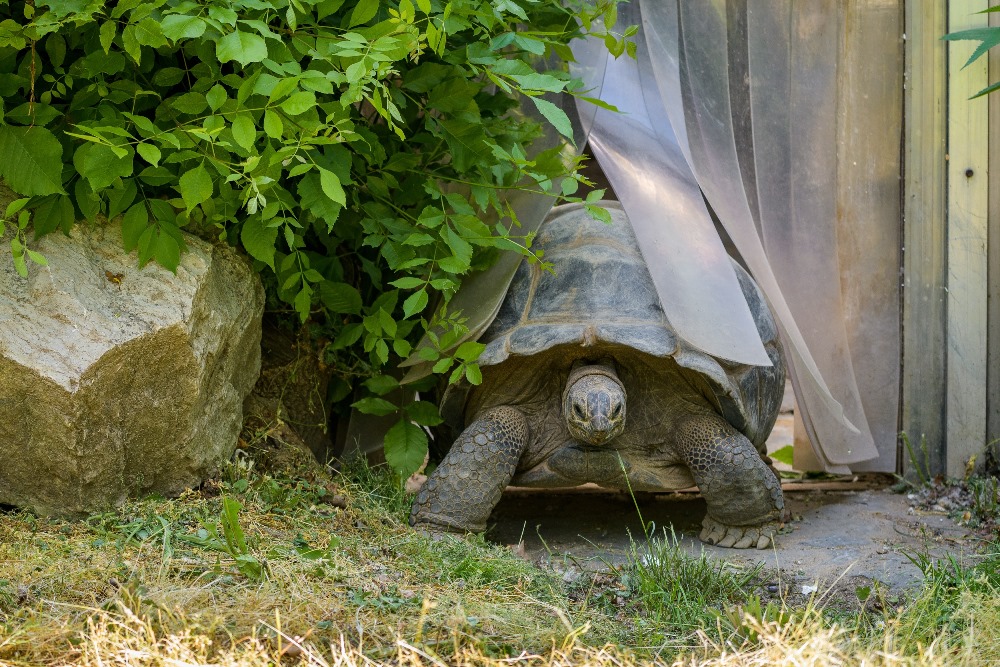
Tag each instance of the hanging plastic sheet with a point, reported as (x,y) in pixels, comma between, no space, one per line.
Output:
(791,186)
(798,208)
(644,162)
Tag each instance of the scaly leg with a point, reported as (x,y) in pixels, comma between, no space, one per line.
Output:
(743,495)
(459,496)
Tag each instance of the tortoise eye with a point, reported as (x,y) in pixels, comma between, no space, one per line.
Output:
(616,411)
(578,411)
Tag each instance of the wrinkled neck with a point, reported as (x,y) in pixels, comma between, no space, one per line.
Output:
(582,368)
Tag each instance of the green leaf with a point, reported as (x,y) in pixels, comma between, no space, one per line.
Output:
(167,252)
(339,297)
(243,47)
(258,240)
(149,33)
(556,116)
(405,448)
(244,131)
(273,126)
(101,165)
(149,153)
(55,47)
(540,81)
(134,223)
(784,455)
(121,198)
(459,246)
(469,350)
(183,26)
(37,114)
(216,97)
(19,264)
(55,213)
(107,35)
(415,303)
(407,283)
(15,206)
(598,213)
(363,13)
(987,38)
(36,257)
(473,374)
(987,90)
(88,203)
(168,76)
(315,200)
(222,14)
(331,186)
(423,413)
(348,336)
(131,43)
(31,160)
(190,103)
(381,384)
(374,406)
(299,103)
(195,186)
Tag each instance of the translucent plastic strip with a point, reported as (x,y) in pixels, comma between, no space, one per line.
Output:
(695,35)
(642,158)
(799,215)
(869,132)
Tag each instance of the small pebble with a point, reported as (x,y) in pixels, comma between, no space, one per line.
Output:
(772,588)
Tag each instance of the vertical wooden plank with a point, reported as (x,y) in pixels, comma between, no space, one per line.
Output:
(968,156)
(869,127)
(924,232)
(993,251)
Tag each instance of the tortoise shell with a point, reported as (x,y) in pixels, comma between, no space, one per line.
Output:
(598,297)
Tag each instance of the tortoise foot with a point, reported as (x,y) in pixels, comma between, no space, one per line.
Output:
(439,533)
(738,537)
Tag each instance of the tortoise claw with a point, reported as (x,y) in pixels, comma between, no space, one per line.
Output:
(738,537)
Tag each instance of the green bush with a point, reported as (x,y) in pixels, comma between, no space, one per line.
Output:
(357,150)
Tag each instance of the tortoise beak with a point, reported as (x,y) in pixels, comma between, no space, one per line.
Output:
(600,431)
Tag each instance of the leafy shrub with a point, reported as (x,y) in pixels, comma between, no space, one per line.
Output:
(357,150)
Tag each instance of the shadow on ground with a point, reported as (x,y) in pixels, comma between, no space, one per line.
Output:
(833,534)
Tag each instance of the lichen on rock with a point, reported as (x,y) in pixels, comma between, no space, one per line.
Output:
(117,381)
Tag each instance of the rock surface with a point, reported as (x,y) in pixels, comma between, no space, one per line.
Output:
(116,381)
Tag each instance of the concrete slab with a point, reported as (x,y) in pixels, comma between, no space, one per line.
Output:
(833,534)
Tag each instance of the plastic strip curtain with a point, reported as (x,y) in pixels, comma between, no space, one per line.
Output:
(644,162)
(764,152)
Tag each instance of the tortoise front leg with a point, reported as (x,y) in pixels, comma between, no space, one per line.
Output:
(460,495)
(743,495)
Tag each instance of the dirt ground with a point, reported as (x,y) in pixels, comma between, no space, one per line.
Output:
(834,536)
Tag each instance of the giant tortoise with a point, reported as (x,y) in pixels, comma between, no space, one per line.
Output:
(585,380)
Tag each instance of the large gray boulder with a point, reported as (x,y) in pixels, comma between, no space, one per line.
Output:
(116,381)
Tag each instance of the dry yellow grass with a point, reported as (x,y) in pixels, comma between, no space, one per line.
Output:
(121,637)
(355,586)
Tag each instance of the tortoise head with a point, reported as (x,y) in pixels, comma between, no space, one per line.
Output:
(594,402)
